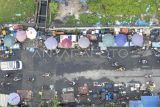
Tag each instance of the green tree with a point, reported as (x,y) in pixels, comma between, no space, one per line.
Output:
(55,102)
(53,8)
(71,21)
(88,19)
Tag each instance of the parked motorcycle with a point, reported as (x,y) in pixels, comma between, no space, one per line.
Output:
(17,79)
(46,74)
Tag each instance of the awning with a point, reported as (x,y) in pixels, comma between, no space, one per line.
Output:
(108,40)
(31,33)
(9,41)
(13,99)
(66,43)
(120,39)
(137,40)
(84,42)
(51,43)
(21,36)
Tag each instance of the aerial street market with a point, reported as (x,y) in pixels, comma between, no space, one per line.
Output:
(79,53)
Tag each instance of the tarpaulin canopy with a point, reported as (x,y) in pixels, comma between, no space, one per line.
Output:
(141,23)
(124,30)
(9,41)
(84,42)
(136,103)
(31,33)
(120,39)
(108,40)
(18,27)
(137,40)
(21,36)
(66,43)
(51,43)
(13,99)
(3,100)
(150,101)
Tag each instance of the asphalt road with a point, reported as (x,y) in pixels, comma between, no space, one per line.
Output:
(69,64)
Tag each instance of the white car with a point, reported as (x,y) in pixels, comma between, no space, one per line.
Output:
(11,65)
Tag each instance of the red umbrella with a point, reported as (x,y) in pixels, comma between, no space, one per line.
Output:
(21,36)
(66,43)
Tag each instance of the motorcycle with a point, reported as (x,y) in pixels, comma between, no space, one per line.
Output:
(46,74)
(17,79)
(31,79)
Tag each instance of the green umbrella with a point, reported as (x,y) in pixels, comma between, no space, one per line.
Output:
(9,41)
(108,40)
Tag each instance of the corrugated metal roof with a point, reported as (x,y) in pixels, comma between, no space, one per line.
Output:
(3,100)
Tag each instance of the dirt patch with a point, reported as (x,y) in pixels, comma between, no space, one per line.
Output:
(73,8)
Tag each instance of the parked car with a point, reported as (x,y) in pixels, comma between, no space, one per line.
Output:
(11,65)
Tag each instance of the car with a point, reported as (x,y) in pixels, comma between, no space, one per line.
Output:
(11,65)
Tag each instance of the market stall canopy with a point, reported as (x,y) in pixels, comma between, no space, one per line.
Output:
(108,40)
(137,40)
(21,36)
(9,41)
(66,43)
(120,39)
(51,43)
(31,33)
(84,42)
(13,99)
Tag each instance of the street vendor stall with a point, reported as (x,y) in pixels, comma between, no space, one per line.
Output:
(25,95)
(84,90)
(68,98)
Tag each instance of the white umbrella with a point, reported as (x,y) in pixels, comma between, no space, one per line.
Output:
(13,99)
(31,33)
(84,42)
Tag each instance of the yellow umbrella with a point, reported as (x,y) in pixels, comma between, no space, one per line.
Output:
(4,32)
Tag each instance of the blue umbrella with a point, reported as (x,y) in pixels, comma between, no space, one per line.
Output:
(108,40)
(51,43)
(137,40)
(120,39)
